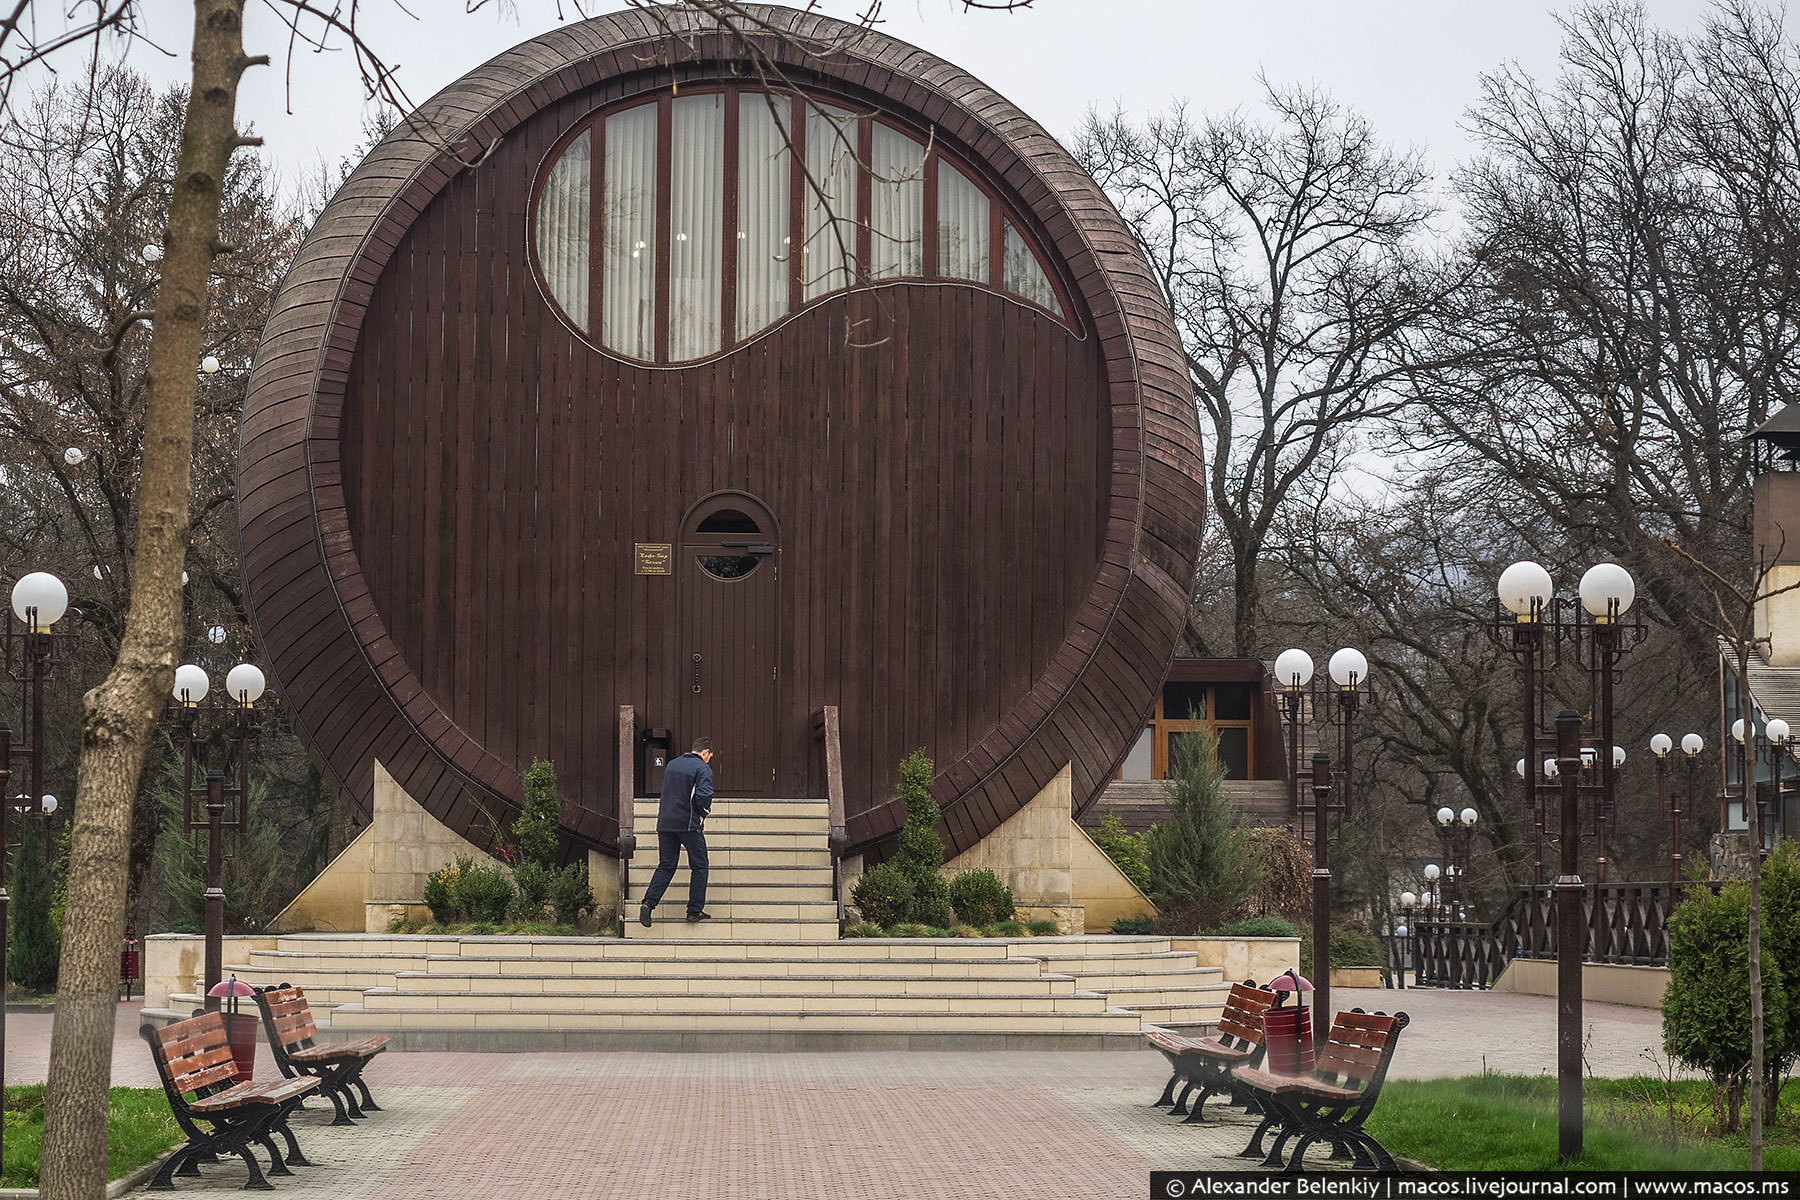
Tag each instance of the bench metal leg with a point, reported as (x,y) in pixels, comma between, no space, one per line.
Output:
(1181,1104)
(368,1101)
(1196,1114)
(1168,1093)
(179,1163)
(1255,1148)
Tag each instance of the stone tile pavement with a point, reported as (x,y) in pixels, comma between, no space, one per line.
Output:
(849,1125)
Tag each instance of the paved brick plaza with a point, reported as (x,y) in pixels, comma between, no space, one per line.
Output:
(821,1125)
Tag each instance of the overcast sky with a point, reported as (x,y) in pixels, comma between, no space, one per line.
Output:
(1411,66)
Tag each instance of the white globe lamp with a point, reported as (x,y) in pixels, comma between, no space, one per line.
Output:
(1293,668)
(191,684)
(39,599)
(1525,589)
(1607,590)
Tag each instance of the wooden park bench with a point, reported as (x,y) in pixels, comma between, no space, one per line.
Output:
(337,1066)
(1332,1103)
(1205,1064)
(193,1057)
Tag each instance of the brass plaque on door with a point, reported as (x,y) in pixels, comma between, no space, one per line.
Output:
(655,558)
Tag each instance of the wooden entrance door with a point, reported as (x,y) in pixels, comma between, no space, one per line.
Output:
(729,577)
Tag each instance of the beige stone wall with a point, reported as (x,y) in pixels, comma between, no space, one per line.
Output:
(1242,958)
(1099,887)
(1032,851)
(385,866)
(1603,983)
(175,962)
(1054,869)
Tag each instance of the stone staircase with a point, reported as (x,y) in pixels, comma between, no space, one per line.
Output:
(693,992)
(770,877)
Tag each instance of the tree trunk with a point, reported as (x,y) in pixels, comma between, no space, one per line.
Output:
(121,713)
(1246,598)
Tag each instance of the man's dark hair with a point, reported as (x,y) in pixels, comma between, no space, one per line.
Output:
(701,744)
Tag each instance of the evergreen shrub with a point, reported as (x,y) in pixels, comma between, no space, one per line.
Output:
(883,895)
(572,894)
(32,954)
(1200,861)
(1706,1008)
(1135,926)
(980,898)
(1263,927)
(921,850)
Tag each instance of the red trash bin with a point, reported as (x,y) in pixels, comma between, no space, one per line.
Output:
(1287,1028)
(240,1028)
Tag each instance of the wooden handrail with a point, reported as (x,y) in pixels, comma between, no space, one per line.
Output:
(627,804)
(826,729)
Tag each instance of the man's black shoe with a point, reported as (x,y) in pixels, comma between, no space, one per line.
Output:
(644,915)
(699,916)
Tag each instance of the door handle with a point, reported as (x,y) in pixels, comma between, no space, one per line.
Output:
(696,672)
(757,548)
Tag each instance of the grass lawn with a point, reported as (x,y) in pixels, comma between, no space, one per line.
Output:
(139,1128)
(1508,1122)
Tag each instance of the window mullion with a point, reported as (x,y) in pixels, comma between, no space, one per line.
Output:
(665,167)
(728,227)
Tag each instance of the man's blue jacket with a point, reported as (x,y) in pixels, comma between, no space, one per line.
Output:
(686,795)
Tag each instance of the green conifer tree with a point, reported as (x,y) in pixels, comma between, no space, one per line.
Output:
(34,948)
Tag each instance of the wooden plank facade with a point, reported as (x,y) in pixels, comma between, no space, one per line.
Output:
(972,532)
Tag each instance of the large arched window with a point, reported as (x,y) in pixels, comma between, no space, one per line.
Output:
(720,212)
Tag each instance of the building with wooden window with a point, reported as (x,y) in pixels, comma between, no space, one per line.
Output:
(625,377)
(1236,699)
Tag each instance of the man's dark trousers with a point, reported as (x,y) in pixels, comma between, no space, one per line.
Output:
(669,845)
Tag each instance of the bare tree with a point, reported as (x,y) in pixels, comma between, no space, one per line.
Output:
(1295,255)
(1635,224)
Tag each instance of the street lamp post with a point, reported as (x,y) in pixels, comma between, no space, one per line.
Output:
(1569,941)
(1691,745)
(1456,830)
(31,646)
(215,807)
(1342,695)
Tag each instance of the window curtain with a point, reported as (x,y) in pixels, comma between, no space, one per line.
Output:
(696,225)
(628,263)
(1021,273)
(765,182)
(896,204)
(562,229)
(830,199)
(962,230)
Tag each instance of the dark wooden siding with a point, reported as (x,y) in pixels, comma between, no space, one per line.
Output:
(353,642)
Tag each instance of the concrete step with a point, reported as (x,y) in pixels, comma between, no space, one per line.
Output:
(1178,1014)
(719,841)
(1091,946)
(741,856)
(1205,996)
(732,826)
(357,1017)
(276,960)
(798,982)
(1195,977)
(391,1000)
(664,960)
(738,892)
(1097,964)
(669,923)
(674,908)
(726,806)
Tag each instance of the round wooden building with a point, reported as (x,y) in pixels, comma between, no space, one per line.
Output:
(636,372)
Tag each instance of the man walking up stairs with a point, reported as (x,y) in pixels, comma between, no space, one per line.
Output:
(687,793)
